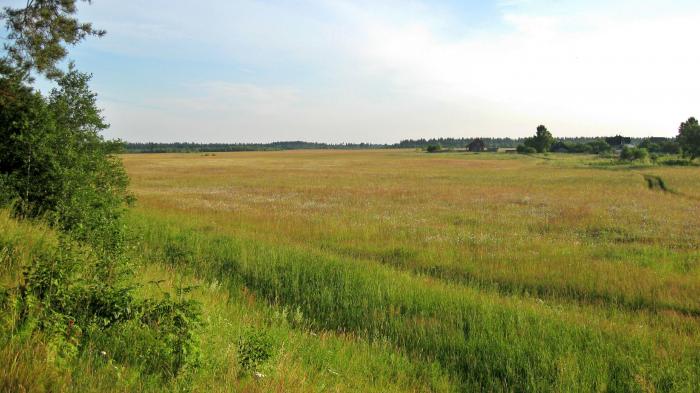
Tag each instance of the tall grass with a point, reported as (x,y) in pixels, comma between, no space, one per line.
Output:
(489,342)
(115,361)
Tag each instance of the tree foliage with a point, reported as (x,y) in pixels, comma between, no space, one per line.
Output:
(689,138)
(40,32)
(634,153)
(542,141)
(54,161)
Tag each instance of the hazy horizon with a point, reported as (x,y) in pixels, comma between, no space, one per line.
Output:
(383,71)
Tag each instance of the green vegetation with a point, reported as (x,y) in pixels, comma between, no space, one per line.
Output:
(488,342)
(689,138)
(634,153)
(542,141)
(76,292)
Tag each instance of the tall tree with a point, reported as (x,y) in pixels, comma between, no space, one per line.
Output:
(542,141)
(53,159)
(689,138)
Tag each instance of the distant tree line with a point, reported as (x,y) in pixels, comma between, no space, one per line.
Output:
(572,143)
(686,143)
(543,141)
(192,147)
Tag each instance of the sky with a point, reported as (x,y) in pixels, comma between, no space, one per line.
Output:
(385,70)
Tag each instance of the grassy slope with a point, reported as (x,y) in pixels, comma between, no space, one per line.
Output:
(302,361)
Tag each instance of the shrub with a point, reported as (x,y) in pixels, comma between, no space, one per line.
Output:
(634,153)
(62,297)
(161,339)
(254,349)
(522,149)
(434,148)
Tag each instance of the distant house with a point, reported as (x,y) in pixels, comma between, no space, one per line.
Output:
(510,150)
(618,142)
(476,145)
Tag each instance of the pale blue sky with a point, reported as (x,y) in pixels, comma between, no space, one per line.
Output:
(381,71)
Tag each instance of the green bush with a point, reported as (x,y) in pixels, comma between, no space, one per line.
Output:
(634,153)
(62,297)
(522,149)
(161,339)
(254,349)
(434,148)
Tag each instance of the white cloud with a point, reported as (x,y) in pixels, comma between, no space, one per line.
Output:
(386,70)
(586,73)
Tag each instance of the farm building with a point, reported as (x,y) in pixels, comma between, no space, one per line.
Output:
(476,145)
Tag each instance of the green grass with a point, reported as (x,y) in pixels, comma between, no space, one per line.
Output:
(303,360)
(487,341)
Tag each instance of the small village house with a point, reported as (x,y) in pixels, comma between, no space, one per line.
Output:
(476,145)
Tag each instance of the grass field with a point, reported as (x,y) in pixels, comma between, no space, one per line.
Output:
(505,272)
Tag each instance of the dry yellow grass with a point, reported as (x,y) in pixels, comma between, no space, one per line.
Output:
(549,227)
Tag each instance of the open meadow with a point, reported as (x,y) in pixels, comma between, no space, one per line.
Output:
(492,272)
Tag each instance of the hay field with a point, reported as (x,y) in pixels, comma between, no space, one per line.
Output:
(512,273)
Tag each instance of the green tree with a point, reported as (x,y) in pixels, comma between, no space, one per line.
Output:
(689,138)
(55,164)
(599,146)
(542,141)
(53,159)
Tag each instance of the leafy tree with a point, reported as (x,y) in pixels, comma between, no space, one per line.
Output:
(599,146)
(54,161)
(650,145)
(689,138)
(670,147)
(542,141)
(55,164)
